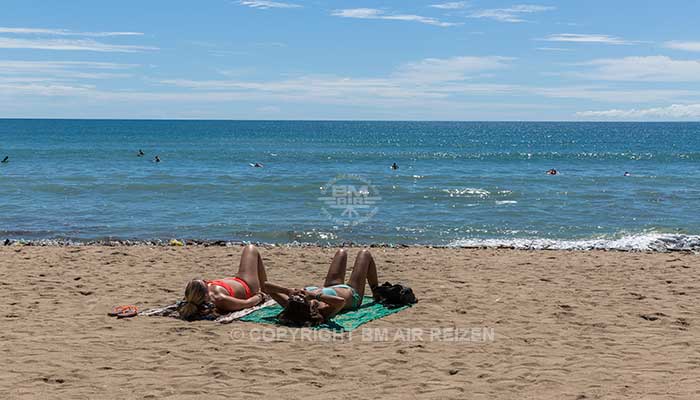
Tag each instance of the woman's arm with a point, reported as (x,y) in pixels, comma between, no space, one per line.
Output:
(328,299)
(227,303)
(280,298)
(330,305)
(271,288)
(280,294)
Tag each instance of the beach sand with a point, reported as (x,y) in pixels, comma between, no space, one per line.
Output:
(567,325)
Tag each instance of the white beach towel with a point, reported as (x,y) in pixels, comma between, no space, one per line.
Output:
(171,311)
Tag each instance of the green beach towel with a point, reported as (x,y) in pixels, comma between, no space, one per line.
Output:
(344,322)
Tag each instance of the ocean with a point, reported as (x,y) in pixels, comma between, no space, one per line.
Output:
(331,182)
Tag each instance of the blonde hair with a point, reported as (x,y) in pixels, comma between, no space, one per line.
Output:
(195,296)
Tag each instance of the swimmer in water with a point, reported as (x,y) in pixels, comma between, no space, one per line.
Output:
(257,165)
(552,172)
(141,153)
(627,174)
(6,159)
(394,166)
(157,159)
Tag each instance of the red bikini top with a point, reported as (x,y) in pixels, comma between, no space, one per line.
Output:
(229,289)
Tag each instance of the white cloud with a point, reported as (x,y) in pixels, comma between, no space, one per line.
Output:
(607,95)
(448,69)
(366,92)
(269,44)
(685,46)
(44,89)
(63,32)
(13,65)
(358,13)
(52,70)
(552,49)
(587,38)
(265,5)
(431,85)
(268,109)
(454,5)
(373,13)
(675,111)
(647,69)
(314,88)
(430,79)
(62,44)
(510,14)
(424,76)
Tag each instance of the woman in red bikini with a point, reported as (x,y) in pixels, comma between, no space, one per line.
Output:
(228,294)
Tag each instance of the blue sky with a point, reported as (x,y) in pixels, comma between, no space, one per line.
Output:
(406,60)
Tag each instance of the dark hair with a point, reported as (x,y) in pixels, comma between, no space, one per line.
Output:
(300,312)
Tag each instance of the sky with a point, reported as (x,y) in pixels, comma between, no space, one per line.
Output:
(574,60)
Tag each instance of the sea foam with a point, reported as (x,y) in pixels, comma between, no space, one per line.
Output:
(657,242)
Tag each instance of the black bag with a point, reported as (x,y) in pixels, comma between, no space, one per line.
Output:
(394,296)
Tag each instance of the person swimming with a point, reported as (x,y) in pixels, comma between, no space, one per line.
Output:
(627,174)
(394,166)
(552,172)
(157,159)
(257,165)
(6,160)
(141,153)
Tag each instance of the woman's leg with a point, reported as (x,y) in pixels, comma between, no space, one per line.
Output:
(336,272)
(251,268)
(364,271)
(262,275)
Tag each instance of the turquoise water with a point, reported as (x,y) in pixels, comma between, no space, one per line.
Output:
(458,183)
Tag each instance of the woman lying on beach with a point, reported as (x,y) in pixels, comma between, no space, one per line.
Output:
(314,305)
(228,294)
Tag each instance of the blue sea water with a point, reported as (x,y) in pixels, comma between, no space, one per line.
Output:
(458,183)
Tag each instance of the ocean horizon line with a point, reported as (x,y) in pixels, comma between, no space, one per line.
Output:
(356,120)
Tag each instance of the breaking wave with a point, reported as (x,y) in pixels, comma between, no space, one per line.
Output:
(656,242)
(467,192)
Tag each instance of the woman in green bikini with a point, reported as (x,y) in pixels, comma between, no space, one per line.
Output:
(314,305)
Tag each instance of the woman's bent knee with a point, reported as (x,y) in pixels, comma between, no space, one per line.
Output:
(364,253)
(341,253)
(250,249)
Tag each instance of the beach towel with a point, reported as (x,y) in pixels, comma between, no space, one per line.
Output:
(171,311)
(344,322)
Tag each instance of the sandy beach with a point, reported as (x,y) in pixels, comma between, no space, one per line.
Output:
(567,325)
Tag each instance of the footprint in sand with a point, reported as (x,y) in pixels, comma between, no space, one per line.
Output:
(682,323)
(652,317)
(53,380)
